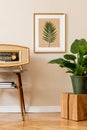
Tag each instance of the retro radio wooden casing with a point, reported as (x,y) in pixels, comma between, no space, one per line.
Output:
(13,55)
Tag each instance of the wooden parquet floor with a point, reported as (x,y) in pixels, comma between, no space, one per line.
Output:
(39,121)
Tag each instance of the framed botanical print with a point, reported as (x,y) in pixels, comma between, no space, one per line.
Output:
(49,32)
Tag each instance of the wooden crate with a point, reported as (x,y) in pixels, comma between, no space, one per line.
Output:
(64,105)
(74,106)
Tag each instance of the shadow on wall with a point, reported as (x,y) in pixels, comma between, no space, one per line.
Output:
(48,81)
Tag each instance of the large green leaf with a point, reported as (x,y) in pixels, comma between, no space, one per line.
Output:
(76,45)
(57,61)
(70,57)
(49,32)
(69,65)
(64,63)
(83,49)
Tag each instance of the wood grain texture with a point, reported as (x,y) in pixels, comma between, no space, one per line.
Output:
(65,105)
(24,54)
(39,121)
(74,106)
(78,106)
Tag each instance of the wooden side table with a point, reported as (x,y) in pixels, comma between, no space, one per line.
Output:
(19,87)
(74,106)
(12,56)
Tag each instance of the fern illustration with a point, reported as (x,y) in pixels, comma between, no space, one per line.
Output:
(49,33)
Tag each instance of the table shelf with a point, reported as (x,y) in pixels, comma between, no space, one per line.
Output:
(19,87)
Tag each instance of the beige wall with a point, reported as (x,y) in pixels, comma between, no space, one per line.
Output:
(43,83)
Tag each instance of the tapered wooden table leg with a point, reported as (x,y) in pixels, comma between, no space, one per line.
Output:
(21,96)
(23,103)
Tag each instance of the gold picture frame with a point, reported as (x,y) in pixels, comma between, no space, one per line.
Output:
(49,32)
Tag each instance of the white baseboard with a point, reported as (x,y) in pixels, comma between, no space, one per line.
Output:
(31,109)
(44,109)
(9,109)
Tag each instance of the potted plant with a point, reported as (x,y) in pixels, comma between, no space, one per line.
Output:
(76,64)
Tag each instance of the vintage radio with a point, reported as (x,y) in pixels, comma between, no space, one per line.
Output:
(13,55)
